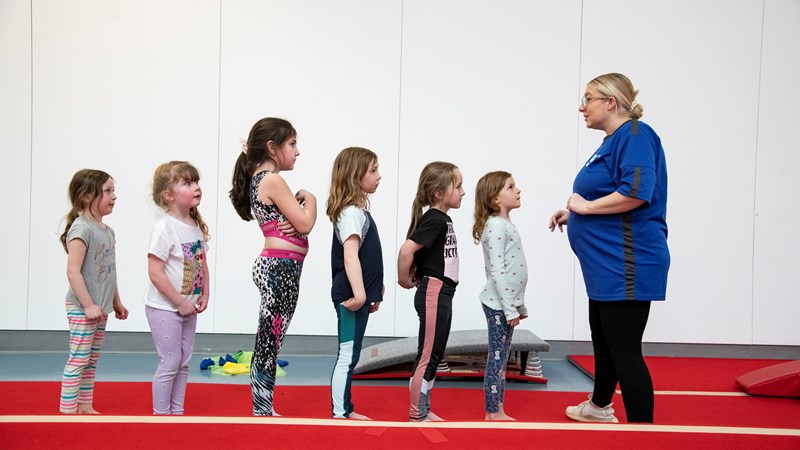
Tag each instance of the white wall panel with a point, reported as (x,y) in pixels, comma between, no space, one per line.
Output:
(333,70)
(696,65)
(124,86)
(484,86)
(776,245)
(119,86)
(15,151)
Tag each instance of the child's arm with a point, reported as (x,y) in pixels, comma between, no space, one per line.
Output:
(202,302)
(501,273)
(302,217)
(76,252)
(374,306)
(120,311)
(404,260)
(352,267)
(155,268)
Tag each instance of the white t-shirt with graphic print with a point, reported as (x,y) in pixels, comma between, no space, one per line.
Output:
(183,250)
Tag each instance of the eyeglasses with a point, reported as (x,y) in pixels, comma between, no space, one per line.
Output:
(585,100)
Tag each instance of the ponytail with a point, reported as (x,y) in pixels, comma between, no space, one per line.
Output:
(70,218)
(240,191)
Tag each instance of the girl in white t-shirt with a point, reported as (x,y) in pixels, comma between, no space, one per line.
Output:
(178,288)
(503,295)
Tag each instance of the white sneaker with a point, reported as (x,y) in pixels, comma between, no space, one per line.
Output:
(589,412)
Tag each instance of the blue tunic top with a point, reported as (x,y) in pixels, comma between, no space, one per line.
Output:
(624,256)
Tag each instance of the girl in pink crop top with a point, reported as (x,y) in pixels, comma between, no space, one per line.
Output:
(269,216)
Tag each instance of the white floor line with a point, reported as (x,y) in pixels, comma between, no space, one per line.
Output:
(380,424)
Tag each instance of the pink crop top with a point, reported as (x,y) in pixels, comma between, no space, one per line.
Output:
(269,216)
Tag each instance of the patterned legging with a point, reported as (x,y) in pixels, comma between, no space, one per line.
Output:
(85,341)
(278,280)
(494,378)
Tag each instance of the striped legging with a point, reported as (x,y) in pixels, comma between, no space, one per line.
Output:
(85,341)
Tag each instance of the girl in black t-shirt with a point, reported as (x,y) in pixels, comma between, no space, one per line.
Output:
(429,260)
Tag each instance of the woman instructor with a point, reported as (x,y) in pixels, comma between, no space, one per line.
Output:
(618,230)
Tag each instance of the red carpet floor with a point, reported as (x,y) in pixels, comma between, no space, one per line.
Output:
(219,415)
(689,374)
(391,404)
(74,436)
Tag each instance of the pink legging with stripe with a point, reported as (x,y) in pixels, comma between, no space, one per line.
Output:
(434,304)
(85,341)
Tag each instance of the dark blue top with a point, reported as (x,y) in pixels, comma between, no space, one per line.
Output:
(369,255)
(624,256)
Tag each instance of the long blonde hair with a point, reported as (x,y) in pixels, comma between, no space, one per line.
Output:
(349,168)
(85,186)
(169,174)
(620,87)
(435,178)
(486,191)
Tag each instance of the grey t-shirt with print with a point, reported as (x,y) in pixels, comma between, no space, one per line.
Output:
(99,268)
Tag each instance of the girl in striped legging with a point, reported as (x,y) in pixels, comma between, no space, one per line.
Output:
(92,275)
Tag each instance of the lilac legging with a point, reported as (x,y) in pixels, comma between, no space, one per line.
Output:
(173,336)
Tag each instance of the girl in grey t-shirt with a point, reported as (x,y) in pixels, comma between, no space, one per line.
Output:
(92,276)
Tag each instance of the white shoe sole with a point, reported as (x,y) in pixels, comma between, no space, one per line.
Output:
(578,418)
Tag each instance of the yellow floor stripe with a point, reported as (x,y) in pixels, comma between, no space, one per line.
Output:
(375,423)
(703,393)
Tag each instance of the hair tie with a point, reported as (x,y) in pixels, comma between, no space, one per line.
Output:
(244,145)
(633,105)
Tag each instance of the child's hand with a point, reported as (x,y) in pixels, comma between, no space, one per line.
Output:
(407,283)
(120,311)
(513,322)
(374,307)
(302,195)
(287,228)
(353,305)
(202,304)
(93,312)
(186,309)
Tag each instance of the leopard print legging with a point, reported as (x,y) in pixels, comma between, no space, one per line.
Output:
(278,280)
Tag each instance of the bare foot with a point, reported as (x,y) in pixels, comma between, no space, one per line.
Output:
(86,408)
(433,417)
(357,416)
(498,416)
(274,414)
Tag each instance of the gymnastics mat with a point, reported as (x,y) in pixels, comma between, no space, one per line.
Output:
(465,357)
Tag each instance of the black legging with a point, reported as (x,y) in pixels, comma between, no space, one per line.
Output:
(617,329)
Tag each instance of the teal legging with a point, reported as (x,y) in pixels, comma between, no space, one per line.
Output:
(352,325)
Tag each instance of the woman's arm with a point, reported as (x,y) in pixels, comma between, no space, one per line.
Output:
(613,203)
(274,189)
(76,252)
